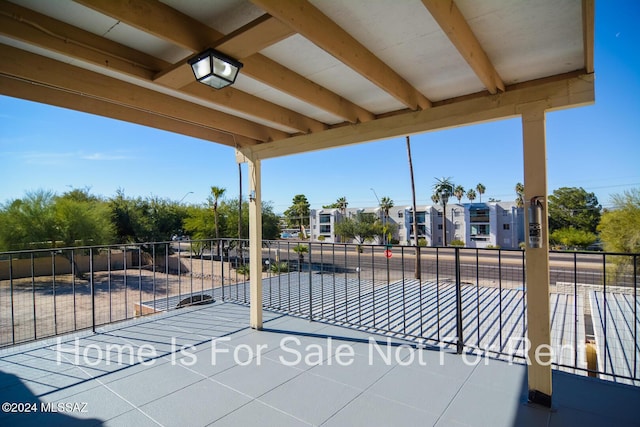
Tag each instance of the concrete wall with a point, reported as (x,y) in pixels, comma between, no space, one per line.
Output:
(44,266)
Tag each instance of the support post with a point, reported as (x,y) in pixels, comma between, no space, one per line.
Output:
(537,257)
(255,244)
(255,237)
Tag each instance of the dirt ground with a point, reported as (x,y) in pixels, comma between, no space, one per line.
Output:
(64,303)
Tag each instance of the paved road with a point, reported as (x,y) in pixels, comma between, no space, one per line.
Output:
(488,265)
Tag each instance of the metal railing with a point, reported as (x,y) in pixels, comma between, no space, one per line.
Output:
(49,292)
(471,299)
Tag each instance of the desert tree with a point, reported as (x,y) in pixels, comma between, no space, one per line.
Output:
(216,194)
(480,188)
(471,195)
(519,195)
(444,188)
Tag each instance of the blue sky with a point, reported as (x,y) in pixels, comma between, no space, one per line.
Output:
(595,147)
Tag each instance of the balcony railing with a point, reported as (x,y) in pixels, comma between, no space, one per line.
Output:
(471,299)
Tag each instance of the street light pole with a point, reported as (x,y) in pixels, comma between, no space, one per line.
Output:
(418,270)
(183,197)
(384,235)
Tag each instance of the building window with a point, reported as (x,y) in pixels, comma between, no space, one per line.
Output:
(480,229)
(325,219)
(439,214)
(506,226)
(505,213)
(400,214)
(325,229)
(479,215)
(439,226)
(421,217)
(457,225)
(422,230)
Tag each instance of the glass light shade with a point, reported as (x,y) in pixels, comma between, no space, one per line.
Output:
(214,69)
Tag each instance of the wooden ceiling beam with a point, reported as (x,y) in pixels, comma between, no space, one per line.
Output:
(318,28)
(40,30)
(554,93)
(455,26)
(31,67)
(588,33)
(253,37)
(33,28)
(156,18)
(254,106)
(61,98)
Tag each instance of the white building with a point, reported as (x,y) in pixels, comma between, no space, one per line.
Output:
(478,225)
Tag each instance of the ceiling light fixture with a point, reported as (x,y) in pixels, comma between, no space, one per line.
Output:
(215,69)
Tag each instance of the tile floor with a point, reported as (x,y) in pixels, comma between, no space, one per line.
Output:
(203,366)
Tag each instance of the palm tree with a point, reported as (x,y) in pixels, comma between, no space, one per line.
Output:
(216,193)
(458,192)
(444,189)
(300,250)
(471,195)
(385,204)
(481,189)
(520,195)
(342,205)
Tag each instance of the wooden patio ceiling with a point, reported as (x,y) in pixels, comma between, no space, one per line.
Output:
(317,74)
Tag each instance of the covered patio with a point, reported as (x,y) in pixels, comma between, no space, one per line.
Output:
(318,75)
(204,366)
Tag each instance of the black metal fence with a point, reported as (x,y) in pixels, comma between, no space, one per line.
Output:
(44,293)
(471,299)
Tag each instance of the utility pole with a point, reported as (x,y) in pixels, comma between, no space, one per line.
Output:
(384,235)
(415,211)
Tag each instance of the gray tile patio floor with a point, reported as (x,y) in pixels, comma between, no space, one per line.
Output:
(170,370)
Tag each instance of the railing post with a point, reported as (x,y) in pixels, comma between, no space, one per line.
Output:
(13,319)
(575,310)
(358,269)
(310,287)
(460,342)
(222,266)
(635,315)
(93,291)
(53,292)
(33,296)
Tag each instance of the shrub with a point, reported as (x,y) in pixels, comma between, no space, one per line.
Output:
(321,238)
(571,238)
(456,242)
(243,269)
(280,267)
(422,241)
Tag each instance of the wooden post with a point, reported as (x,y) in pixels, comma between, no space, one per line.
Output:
(255,238)
(537,258)
(255,244)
